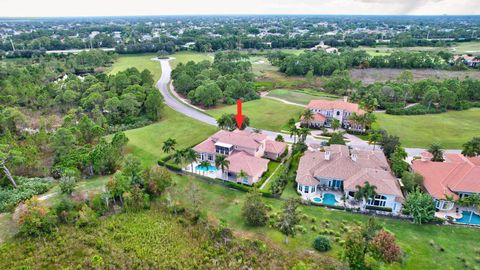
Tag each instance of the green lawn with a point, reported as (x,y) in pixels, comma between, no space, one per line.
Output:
(451,129)
(146,142)
(472,47)
(263,113)
(140,61)
(300,96)
(184,57)
(414,239)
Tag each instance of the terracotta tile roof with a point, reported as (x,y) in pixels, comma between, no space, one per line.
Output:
(457,174)
(275,147)
(369,165)
(241,161)
(245,139)
(335,104)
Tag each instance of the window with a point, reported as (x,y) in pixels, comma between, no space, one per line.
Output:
(210,157)
(378,200)
(338,113)
(306,189)
(299,187)
(245,180)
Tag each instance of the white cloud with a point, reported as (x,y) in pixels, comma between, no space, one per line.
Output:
(33,8)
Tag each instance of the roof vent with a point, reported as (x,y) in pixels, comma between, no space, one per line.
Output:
(328,153)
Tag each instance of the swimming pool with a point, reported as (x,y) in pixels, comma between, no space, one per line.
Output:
(466,218)
(206,169)
(328,198)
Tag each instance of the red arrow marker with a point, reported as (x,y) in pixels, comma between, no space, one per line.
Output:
(239,117)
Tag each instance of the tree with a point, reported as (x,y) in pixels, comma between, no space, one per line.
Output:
(242,175)
(153,105)
(179,157)
(436,150)
(118,185)
(335,124)
(411,180)
(204,164)
(307,116)
(254,210)
(354,250)
(383,247)
(222,162)
(431,96)
(35,219)
(373,138)
(470,201)
(365,193)
(293,132)
(337,138)
(389,143)
(158,179)
(9,155)
(67,184)
(303,133)
(472,147)
(289,218)
(420,205)
(190,156)
(279,138)
(169,145)
(397,161)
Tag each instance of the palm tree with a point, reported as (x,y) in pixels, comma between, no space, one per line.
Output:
(373,138)
(470,201)
(242,175)
(204,164)
(364,193)
(222,162)
(307,116)
(169,145)
(291,122)
(368,119)
(303,133)
(335,124)
(190,156)
(293,132)
(179,157)
(355,119)
(436,150)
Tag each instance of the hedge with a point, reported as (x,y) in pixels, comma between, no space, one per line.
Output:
(378,208)
(339,207)
(245,188)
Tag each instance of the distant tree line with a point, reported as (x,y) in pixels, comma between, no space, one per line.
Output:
(225,80)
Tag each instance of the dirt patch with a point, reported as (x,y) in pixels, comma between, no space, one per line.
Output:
(371,75)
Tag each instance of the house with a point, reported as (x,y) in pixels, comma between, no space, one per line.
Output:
(323,47)
(247,152)
(470,60)
(458,176)
(339,170)
(324,111)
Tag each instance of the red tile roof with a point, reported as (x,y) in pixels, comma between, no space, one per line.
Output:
(335,104)
(371,166)
(241,161)
(245,139)
(457,174)
(275,147)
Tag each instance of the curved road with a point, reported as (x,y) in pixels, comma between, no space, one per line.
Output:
(185,109)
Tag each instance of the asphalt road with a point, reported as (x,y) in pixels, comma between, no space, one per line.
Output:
(185,109)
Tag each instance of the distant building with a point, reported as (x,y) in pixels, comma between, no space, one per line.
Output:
(324,111)
(323,47)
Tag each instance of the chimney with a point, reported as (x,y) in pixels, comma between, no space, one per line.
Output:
(328,153)
(345,98)
(354,156)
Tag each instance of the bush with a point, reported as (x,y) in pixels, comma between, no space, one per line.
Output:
(66,211)
(322,243)
(378,208)
(67,185)
(35,219)
(87,217)
(99,204)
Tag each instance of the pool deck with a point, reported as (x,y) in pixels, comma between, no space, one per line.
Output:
(211,174)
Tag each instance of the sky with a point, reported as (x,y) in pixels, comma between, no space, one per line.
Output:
(61,8)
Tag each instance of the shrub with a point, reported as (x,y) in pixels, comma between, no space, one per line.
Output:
(35,219)
(254,210)
(98,204)
(67,184)
(158,179)
(383,247)
(322,243)
(87,217)
(66,211)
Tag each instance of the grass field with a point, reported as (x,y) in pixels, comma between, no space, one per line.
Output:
(451,129)
(263,113)
(472,47)
(146,142)
(184,57)
(300,96)
(226,204)
(140,61)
